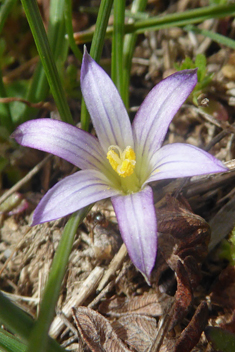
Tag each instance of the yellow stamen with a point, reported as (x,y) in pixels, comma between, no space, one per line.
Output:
(123,162)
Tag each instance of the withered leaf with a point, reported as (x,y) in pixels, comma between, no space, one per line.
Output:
(192,232)
(97,332)
(193,271)
(182,236)
(168,345)
(223,291)
(149,304)
(136,330)
(185,221)
(183,297)
(191,334)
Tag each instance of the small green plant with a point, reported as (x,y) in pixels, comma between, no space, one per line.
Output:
(221,340)
(228,248)
(203,77)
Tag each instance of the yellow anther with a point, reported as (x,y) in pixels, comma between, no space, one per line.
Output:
(123,162)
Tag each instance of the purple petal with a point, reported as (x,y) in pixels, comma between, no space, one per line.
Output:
(105,106)
(66,141)
(138,226)
(182,160)
(71,194)
(158,109)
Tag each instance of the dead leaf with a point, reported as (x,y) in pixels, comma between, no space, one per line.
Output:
(193,271)
(136,330)
(176,217)
(182,236)
(183,297)
(148,304)
(223,291)
(168,345)
(97,332)
(191,334)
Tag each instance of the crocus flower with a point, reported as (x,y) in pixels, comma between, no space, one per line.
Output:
(122,160)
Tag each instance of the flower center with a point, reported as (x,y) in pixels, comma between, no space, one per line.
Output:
(123,162)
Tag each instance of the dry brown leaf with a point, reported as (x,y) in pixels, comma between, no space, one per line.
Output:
(191,334)
(182,236)
(223,291)
(148,304)
(97,332)
(136,330)
(183,297)
(168,345)
(193,271)
(176,217)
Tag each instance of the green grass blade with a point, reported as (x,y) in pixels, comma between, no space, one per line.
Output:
(100,29)
(5,115)
(171,20)
(10,343)
(56,31)
(117,45)
(218,38)
(128,49)
(39,87)
(38,90)
(38,341)
(4,11)
(182,18)
(97,47)
(69,29)
(45,53)
(14,318)
(20,322)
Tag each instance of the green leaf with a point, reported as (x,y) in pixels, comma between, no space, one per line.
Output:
(203,78)
(46,56)
(39,339)
(10,343)
(3,163)
(69,29)
(117,45)
(200,62)
(222,340)
(218,38)
(219,2)
(17,89)
(128,49)
(20,322)
(5,112)
(227,250)
(171,20)
(4,11)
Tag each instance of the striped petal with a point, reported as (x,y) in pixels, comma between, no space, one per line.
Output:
(66,141)
(158,109)
(138,226)
(71,194)
(107,111)
(182,160)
